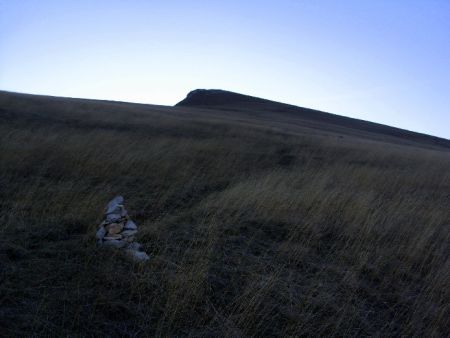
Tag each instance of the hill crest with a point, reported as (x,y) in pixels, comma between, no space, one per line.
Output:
(217,97)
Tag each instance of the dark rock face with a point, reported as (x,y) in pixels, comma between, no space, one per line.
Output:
(216,97)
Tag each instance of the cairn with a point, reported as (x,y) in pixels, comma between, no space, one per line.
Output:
(119,231)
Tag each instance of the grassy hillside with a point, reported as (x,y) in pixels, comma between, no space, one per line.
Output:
(254,229)
(292,118)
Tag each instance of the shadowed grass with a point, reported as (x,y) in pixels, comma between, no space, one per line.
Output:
(252,232)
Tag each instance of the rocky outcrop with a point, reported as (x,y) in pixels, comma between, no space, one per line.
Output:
(217,97)
(119,231)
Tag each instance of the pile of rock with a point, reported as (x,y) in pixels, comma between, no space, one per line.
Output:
(119,231)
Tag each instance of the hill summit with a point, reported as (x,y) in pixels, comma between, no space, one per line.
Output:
(217,97)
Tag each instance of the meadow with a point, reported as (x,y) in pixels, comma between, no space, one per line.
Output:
(252,231)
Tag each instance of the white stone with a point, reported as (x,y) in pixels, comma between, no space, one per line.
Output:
(130,225)
(114,205)
(134,246)
(112,237)
(128,233)
(101,232)
(140,256)
(114,217)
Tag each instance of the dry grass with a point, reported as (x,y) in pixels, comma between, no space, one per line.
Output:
(251,232)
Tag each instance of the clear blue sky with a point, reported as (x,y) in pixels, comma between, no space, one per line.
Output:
(384,61)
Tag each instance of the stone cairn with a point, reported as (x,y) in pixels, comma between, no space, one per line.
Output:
(119,231)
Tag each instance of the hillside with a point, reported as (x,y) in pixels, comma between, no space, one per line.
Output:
(304,117)
(260,219)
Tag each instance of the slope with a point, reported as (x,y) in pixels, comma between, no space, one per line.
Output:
(302,117)
(252,230)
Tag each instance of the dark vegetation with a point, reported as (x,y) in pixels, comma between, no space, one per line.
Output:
(259,223)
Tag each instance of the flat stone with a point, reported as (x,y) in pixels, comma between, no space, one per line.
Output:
(114,228)
(140,256)
(114,217)
(101,232)
(114,204)
(115,243)
(119,212)
(134,246)
(128,233)
(130,225)
(112,237)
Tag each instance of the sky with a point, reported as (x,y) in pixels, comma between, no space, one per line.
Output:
(383,61)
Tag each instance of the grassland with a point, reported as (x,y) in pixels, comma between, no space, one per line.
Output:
(252,230)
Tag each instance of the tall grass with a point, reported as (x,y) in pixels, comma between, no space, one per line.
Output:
(251,232)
